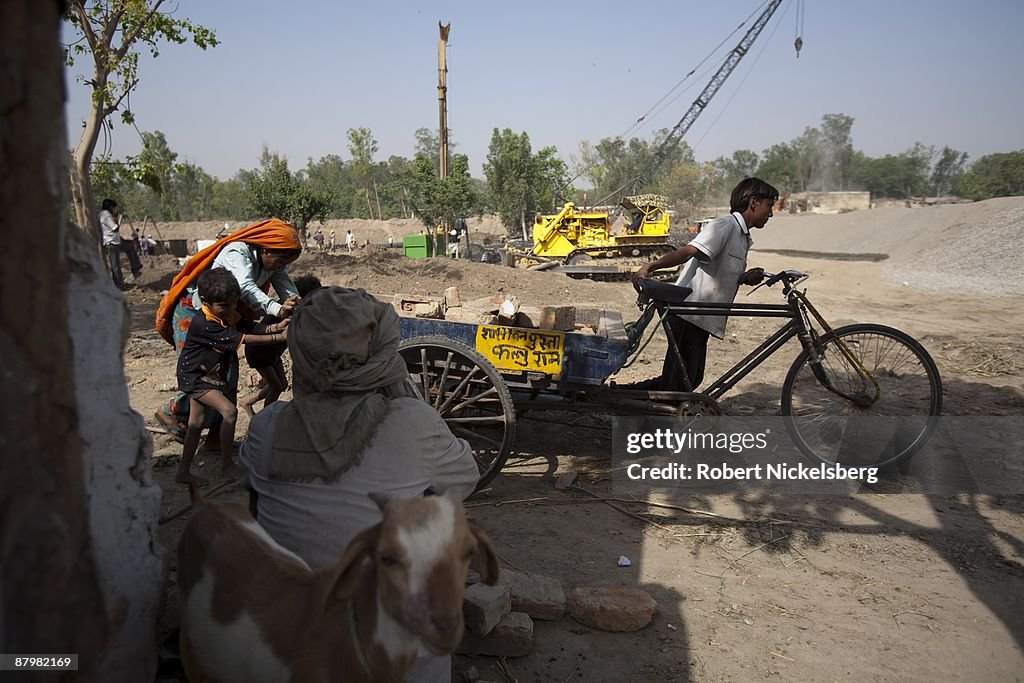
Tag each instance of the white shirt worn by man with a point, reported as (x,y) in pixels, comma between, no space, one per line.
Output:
(111,231)
(714,273)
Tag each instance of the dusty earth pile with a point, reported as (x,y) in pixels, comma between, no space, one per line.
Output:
(957,248)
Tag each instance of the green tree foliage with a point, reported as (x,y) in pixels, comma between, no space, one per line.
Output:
(154,184)
(362,146)
(688,186)
(395,189)
(779,166)
(230,199)
(837,152)
(155,170)
(994,175)
(519,181)
(334,178)
(901,176)
(731,170)
(111,33)
(433,200)
(510,176)
(193,192)
(946,171)
(613,166)
(276,192)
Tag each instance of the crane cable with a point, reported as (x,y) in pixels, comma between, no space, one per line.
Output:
(743,80)
(641,122)
(646,116)
(798,41)
(753,65)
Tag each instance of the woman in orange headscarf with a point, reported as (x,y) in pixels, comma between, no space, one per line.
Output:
(258,256)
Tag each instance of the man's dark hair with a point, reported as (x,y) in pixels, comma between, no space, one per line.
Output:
(305,284)
(108,205)
(748,189)
(218,285)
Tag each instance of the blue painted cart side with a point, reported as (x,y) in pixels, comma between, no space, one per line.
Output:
(588,359)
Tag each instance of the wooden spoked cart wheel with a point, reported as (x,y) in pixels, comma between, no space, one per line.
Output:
(469,393)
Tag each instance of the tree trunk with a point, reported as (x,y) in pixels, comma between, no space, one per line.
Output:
(369,209)
(52,600)
(80,180)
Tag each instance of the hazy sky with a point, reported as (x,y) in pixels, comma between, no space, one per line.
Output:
(296,75)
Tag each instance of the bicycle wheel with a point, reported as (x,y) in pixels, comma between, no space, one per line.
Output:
(468,393)
(837,413)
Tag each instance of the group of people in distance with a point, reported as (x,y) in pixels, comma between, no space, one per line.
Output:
(353,426)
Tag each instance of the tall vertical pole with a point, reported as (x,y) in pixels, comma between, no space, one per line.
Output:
(442,97)
(442,127)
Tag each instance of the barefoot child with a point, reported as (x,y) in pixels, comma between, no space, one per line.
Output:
(266,358)
(209,352)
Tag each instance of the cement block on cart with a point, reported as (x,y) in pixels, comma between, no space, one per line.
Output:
(405,304)
(527,316)
(452,298)
(557,318)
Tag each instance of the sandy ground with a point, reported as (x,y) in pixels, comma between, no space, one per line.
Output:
(803,588)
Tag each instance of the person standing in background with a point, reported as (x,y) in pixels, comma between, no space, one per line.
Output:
(111,231)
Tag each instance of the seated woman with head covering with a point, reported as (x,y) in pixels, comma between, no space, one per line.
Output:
(258,256)
(352,429)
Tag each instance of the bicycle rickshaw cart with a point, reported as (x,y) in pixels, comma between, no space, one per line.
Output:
(479,377)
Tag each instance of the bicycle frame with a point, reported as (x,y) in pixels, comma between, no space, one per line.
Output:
(798,312)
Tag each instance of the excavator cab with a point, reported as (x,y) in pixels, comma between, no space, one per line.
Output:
(649,215)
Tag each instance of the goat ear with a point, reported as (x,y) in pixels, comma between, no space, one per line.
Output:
(488,557)
(347,571)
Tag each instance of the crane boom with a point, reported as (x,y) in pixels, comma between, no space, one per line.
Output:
(695,110)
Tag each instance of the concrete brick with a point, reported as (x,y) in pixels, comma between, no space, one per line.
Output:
(558,318)
(513,637)
(470,314)
(406,304)
(452,299)
(612,609)
(430,309)
(527,316)
(507,311)
(483,607)
(539,596)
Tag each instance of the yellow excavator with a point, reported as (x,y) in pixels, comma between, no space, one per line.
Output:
(581,244)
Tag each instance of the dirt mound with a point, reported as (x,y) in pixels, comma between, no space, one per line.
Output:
(375,231)
(386,272)
(965,248)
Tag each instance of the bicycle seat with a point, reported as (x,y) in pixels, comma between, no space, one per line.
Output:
(662,291)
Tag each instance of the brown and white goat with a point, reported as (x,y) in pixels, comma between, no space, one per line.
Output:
(253,611)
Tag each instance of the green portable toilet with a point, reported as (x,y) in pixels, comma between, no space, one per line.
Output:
(417,246)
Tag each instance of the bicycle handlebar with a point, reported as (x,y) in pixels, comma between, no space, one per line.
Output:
(789,277)
(772,278)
